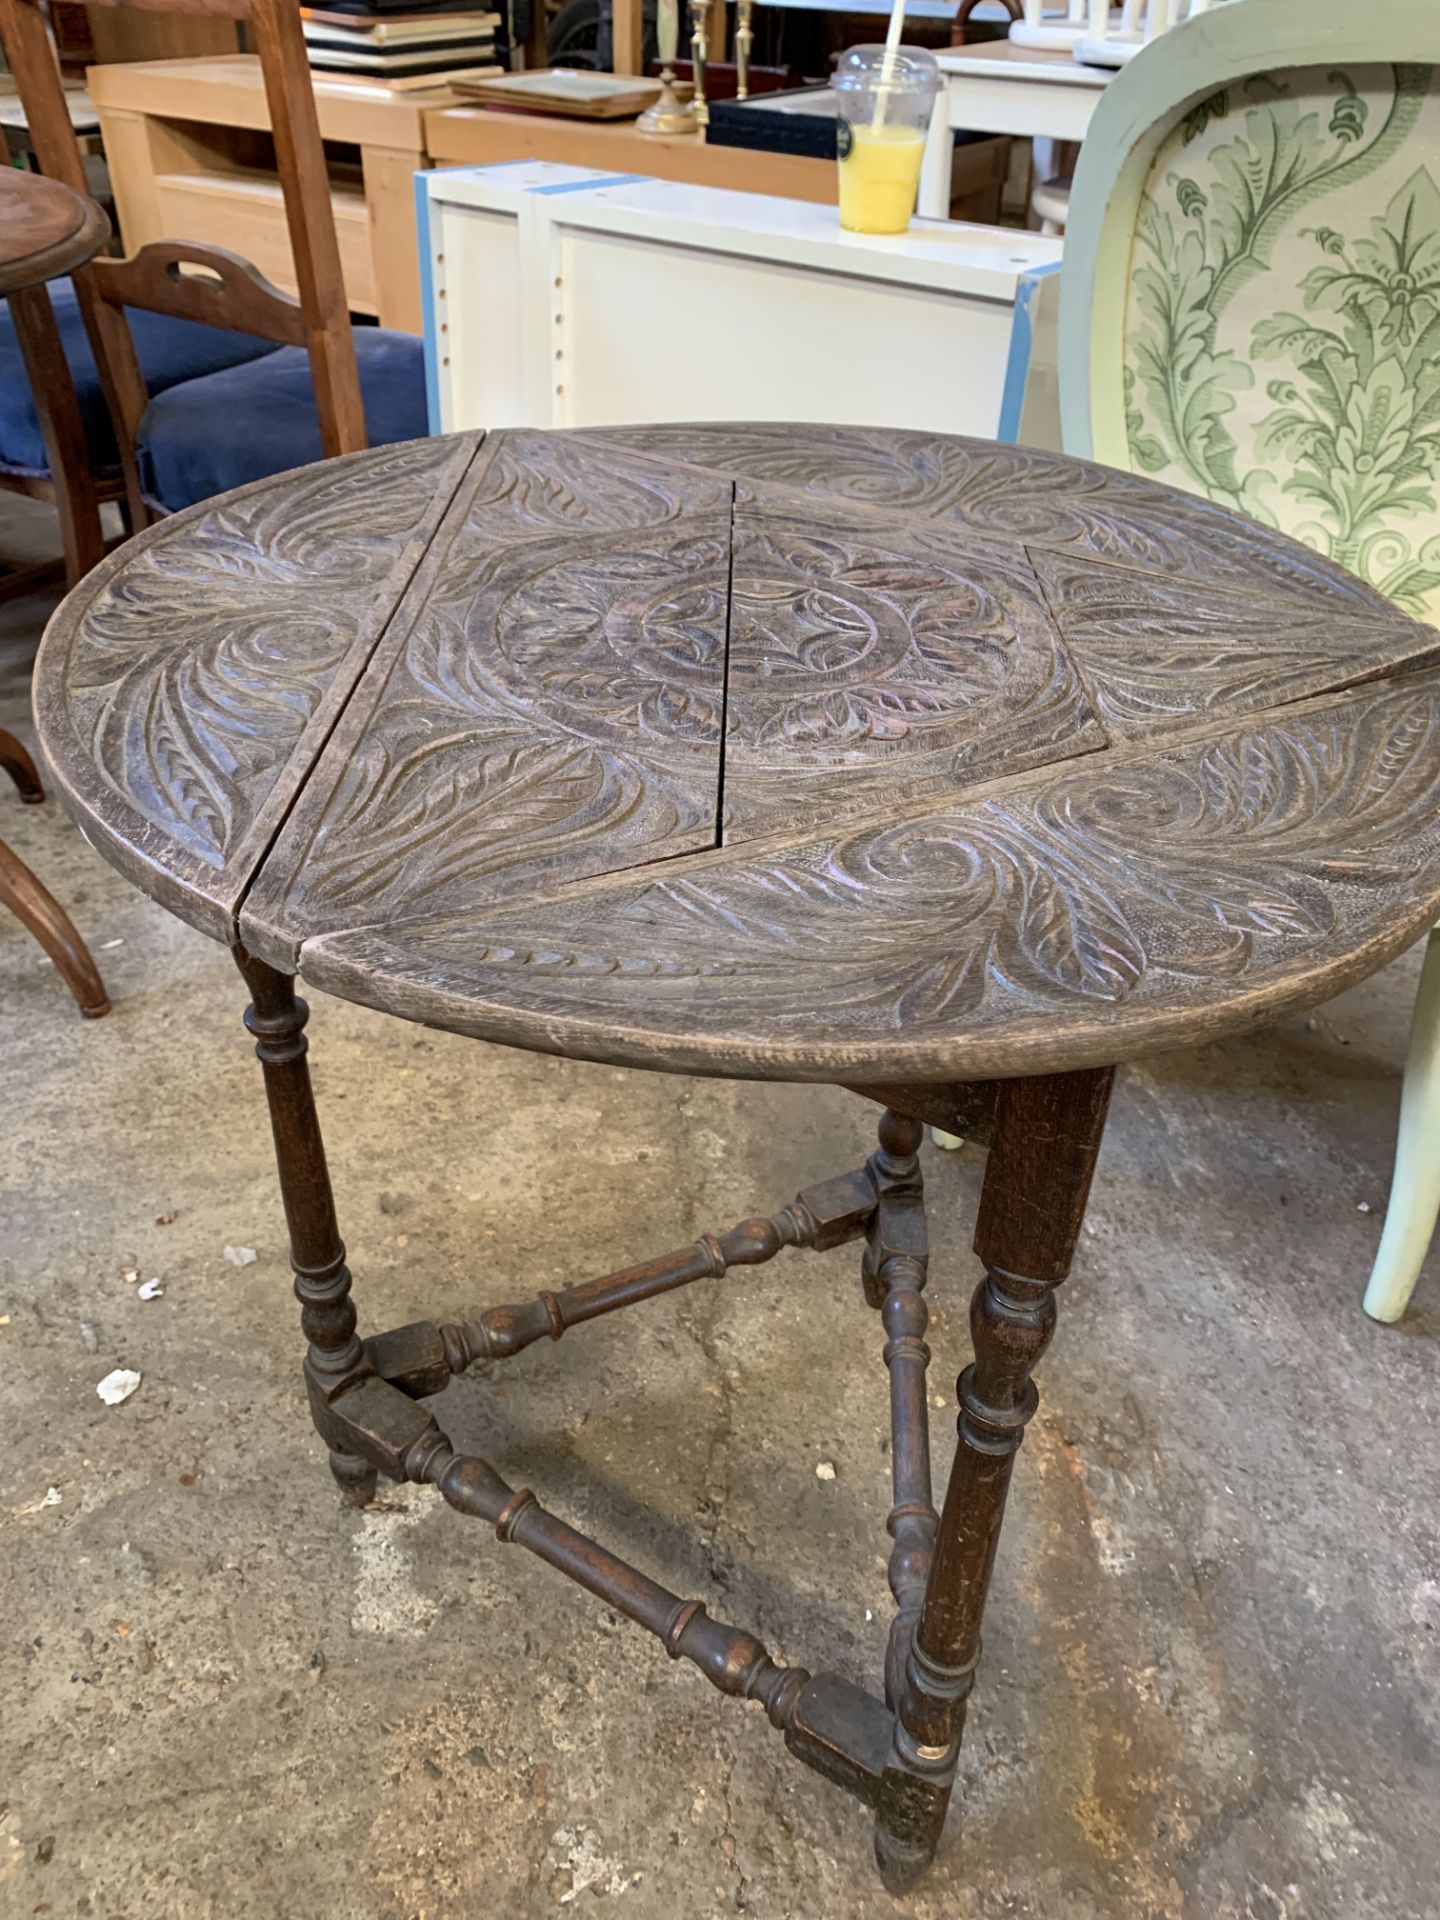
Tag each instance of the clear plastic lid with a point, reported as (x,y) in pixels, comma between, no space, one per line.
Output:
(914,70)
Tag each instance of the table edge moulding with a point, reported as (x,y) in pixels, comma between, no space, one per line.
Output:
(1097,987)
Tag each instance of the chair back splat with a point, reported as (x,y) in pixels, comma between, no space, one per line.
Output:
(190,280)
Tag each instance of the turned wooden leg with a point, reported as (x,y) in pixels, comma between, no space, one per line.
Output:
(21,768)
(1047,1135)
(277,1016)
(61,428)
(38,910)
(893,1272)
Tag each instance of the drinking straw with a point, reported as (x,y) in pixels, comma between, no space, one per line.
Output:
(887,68)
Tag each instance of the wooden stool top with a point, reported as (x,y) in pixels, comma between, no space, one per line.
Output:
(776,752)
(46,229)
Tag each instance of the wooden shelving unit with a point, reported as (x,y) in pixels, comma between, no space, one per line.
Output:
(190,154)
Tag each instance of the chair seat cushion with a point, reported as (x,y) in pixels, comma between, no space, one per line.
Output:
(245,423)
(169,350)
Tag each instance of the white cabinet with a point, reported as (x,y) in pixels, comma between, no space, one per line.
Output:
(560,297)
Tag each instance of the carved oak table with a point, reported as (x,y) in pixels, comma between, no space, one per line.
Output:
(951,773)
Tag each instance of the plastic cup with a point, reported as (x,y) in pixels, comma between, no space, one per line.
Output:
(880,138)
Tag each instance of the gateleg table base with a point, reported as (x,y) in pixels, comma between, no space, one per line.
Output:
(898,1754)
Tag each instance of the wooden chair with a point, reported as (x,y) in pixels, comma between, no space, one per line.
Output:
(77,471)
(1113,38)
(308,391)
(45,231)
(36,907)
(1251,310)
(960,35)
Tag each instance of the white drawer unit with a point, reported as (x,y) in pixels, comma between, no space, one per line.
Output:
(559,297)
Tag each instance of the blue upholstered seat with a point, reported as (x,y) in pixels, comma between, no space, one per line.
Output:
(169,350)
(244,423)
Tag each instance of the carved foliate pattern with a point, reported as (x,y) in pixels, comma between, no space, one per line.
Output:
(617,644)
(555,709)
(903,660)
(958,711)
(1156,655)
(1118,885)
(531,483)
(199,663)
(1007,492)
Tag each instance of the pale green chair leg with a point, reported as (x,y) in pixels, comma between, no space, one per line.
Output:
(951,1142)
(1415,1189)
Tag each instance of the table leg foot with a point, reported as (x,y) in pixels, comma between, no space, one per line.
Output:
(355,1477)
(910,1814)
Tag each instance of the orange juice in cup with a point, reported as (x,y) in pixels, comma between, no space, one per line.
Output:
(884,115)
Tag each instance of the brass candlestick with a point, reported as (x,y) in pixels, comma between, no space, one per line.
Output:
(699,52)
(670,114)
(744,41)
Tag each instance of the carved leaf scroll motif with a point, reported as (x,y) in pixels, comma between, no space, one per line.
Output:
(1008,493)
(556,707)
(869,667)
(1158,653)
(554,716)
(205,657)
(941,673)
(1111,884)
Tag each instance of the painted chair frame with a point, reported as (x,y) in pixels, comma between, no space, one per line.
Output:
(1142,104)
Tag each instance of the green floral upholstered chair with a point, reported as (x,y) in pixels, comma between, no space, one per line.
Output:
(1251,310)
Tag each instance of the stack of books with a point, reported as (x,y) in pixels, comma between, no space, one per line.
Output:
(400,44)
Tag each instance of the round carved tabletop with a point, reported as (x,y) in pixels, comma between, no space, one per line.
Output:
(46,229)
(776,752)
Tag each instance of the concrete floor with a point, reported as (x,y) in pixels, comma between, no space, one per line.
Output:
(1210,1681)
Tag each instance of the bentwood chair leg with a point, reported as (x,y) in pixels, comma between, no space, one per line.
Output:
(21,768)
(1047,1136)
(42,914)
(277,1016)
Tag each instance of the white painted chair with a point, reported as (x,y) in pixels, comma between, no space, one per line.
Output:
(1250,310)
(1050,204)
(1048,30)
(1112,39)
(1415,1185)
